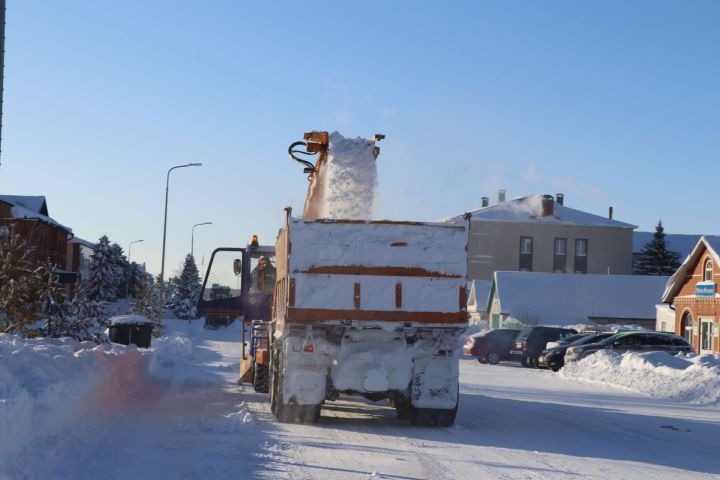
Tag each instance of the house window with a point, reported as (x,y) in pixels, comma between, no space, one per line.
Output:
(560,255)
(687,330)
(526,254)
(581,254)
(708,271)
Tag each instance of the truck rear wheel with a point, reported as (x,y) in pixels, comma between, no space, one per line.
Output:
(403,407)
(434,417)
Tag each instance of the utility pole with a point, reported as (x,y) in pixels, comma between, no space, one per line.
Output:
(2,65)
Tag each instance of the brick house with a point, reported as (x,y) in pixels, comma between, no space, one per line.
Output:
(693,293)
(46,238)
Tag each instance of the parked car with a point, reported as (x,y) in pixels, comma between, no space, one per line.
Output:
(532,340)
(491,346)
(566,340)
(632,342)
(554,357)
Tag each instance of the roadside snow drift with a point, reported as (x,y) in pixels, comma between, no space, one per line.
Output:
(693,379)
(47,384)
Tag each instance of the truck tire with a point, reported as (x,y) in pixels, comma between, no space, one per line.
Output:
(260,378)
(482,359)
(273,384)
(435,417)
(526,361)
(403,407)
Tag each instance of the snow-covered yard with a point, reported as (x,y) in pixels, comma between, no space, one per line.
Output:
(187,418)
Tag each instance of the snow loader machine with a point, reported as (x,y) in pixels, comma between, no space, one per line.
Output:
(366,308)
(239,284)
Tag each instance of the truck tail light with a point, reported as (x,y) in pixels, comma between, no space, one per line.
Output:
(524,345)
(309,348)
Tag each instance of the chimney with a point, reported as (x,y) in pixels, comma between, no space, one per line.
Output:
(560,198)
(485,202)
(501,196)
(548,206)
(610,211)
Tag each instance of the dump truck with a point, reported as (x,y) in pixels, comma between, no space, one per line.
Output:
(239,285)
(367,308)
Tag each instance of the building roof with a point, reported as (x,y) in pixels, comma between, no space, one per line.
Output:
(479,294)
(33,203)
(677,242)
(567,299)
(712,244)
(529,209)
(24,206)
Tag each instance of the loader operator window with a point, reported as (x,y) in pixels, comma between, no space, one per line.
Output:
(222,283)
(262,273)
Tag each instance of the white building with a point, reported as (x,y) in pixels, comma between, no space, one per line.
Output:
(536,298)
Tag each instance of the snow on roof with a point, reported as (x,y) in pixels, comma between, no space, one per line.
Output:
(529,209)
(677,242)
(712,244)
(34,203)
(566,299)
(84,242)
(31,207)
(479,293)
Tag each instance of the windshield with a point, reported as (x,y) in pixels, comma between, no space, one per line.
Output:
(262,272)
(591,339)
(525,332)
(611,339)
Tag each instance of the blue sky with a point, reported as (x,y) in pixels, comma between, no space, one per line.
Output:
(611,103)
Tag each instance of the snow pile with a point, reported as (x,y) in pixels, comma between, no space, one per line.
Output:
(350,178)
(236,422)
(693,379)
(47,385)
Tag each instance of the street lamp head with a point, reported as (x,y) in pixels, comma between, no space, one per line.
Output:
(194,164)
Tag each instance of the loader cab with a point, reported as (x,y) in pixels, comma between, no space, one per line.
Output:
(238,283)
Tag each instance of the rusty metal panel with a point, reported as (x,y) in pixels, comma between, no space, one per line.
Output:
(380,271)
(356,295)
(312,315)
(398,295)
(291,292)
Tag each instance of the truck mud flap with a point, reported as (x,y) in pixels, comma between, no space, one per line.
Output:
(435,382)
(304,386)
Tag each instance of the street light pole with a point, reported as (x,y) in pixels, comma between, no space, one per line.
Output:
(130,248)
(192,237)
(162,261)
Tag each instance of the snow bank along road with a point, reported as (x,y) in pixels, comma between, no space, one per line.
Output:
(190,420)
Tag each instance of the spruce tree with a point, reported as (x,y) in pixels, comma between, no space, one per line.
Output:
(122,270)
(147,303)
(57,309)
(188,289)
(103,277)
(19,282)
(135,279)
(656,258)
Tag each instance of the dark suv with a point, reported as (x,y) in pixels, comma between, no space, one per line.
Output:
(632,342)
(532,340)
(491,346)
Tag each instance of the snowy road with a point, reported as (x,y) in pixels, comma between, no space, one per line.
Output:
(513,423)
